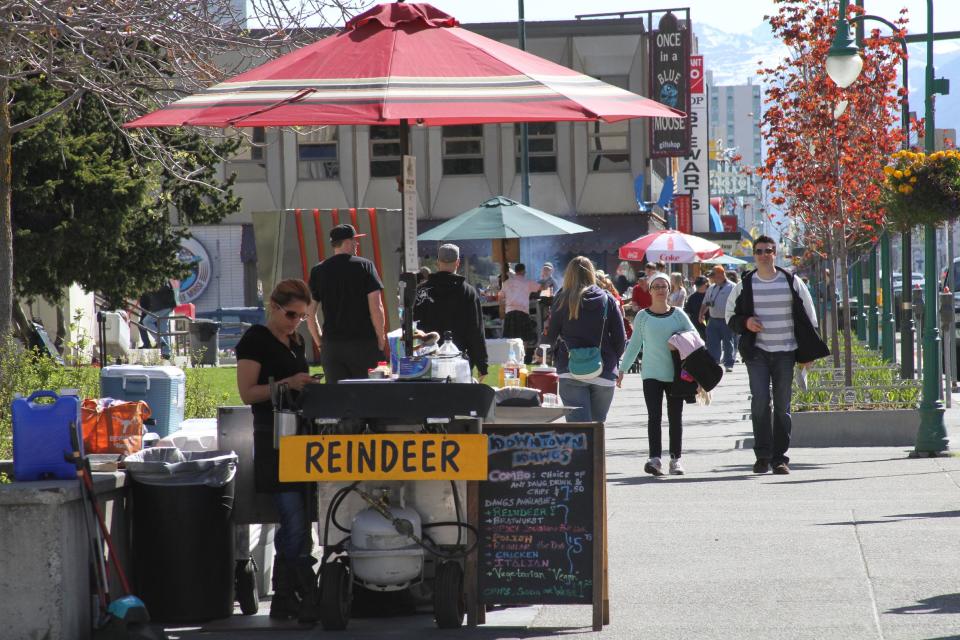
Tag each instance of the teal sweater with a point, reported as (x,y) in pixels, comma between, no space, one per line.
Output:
(650,334)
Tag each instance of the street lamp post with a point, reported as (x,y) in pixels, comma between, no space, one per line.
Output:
(843,66)
(887,322)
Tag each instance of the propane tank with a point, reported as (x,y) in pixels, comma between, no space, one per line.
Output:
(383,555)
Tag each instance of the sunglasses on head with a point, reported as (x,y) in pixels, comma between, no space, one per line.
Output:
(760,252)
(293,315)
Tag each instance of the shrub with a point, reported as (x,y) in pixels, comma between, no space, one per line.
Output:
(24,371)
(202,399)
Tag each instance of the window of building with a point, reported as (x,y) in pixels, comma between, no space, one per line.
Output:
(249,164)
(385,157)
(542,146)
(462,149)
(317,154)
(608,145)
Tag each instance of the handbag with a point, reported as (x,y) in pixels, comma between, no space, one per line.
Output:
(586,363)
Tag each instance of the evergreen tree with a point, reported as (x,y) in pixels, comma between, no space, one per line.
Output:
(86,210)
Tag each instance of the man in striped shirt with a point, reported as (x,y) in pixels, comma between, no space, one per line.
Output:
(766,308)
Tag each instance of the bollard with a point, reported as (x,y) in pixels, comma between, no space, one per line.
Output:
(947,362)
(946,358)
(917,295)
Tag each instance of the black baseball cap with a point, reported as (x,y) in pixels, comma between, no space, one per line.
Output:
(344,232)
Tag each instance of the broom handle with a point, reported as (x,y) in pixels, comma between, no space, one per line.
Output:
(86,475)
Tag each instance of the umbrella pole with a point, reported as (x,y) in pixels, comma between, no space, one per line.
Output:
(407,299)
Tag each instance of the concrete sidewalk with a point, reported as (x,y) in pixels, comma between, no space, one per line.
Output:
(855,543)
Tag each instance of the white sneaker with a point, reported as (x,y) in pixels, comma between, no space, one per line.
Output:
(653,467)
(676,469)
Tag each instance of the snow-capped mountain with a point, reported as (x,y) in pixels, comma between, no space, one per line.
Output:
(733,58)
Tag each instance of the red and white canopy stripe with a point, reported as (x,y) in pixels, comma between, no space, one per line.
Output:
(670,246)
(405,62)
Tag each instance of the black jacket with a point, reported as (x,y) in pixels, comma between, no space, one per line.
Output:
(445,302)
(810,346)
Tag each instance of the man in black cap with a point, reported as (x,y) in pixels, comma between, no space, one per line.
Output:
(347,289)
(445,302)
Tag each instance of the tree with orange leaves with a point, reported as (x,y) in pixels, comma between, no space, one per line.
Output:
(827,146)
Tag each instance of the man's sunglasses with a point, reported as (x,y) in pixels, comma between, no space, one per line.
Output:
(293,315)
(760,252)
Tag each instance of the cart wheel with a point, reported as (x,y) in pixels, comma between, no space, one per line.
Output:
(448,601)
(335,596)
(245,575)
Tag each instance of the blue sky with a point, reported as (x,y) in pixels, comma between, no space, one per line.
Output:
(738,16)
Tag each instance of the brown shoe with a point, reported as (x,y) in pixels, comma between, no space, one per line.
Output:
(781,469)
(761,466)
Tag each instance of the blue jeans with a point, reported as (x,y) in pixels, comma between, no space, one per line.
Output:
(771,434)
(720,337)
(593,400)
(292,540)
(159,324)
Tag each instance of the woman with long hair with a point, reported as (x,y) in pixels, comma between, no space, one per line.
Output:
(652,328)
(678,294)
(585,316)
(275,350)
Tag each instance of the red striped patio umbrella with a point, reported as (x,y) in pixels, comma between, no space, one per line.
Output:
(670,246)
(404,62)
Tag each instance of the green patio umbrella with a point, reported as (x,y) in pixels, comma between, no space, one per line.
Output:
(724,259)
(501,218)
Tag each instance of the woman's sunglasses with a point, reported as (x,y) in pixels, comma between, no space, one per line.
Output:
(659,287)
(760,252)
(293,315)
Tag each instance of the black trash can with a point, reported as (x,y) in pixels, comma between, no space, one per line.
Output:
(183,533)
(205,342)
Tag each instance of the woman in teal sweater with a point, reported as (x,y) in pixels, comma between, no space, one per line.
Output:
(652,328)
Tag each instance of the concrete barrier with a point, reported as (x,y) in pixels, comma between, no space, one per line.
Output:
(45,555)
(866,428)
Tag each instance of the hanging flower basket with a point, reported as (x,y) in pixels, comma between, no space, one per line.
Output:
(922,189)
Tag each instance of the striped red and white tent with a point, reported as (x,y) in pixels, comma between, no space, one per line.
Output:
(404,62)
(670,246)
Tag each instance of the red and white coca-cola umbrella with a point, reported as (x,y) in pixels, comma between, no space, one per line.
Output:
(670,246)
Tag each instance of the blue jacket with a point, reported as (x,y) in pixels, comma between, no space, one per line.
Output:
(585,330)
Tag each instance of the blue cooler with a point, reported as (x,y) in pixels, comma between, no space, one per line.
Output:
(41,436)
(162,388)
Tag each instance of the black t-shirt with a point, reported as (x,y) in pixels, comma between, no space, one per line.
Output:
(341,284)
(276,361)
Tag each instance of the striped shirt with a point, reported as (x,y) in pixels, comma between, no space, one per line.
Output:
(773,306)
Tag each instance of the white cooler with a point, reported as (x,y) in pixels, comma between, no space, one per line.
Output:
(499,350)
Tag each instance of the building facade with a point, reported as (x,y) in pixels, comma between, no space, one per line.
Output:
(734,114)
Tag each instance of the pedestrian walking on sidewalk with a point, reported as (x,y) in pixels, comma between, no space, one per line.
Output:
(585,318)
(719,336)
(652,329)
(773,313)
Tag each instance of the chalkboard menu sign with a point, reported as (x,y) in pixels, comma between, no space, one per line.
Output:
(540,516)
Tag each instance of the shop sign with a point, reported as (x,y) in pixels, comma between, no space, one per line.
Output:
(695,168)
(383,457)
(725,184)
(670,85)
(684,212)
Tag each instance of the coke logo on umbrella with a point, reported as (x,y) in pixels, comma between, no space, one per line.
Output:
(666,257)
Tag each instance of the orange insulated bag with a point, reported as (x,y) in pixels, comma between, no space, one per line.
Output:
(113,426)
